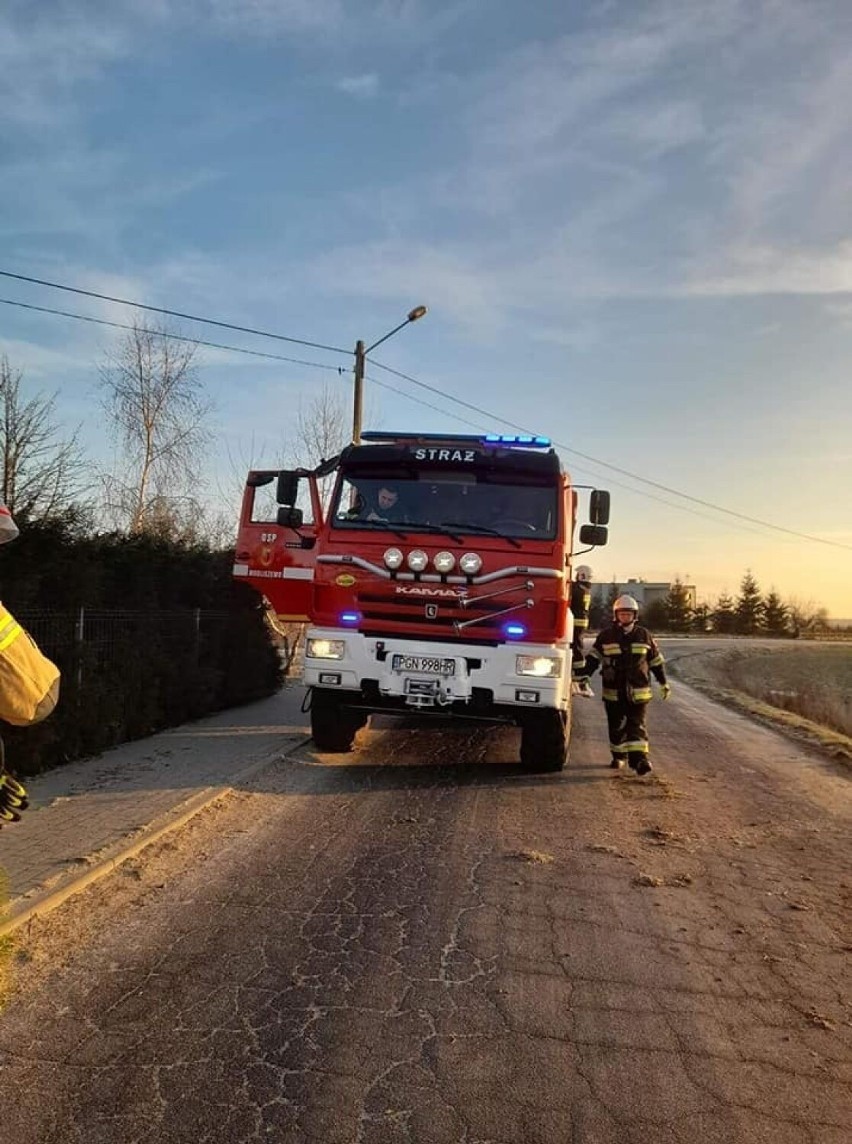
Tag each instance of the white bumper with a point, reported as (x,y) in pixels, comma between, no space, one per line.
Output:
(473,666)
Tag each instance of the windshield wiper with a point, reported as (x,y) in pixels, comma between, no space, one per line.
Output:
(378,524)
(428,526)
(465,526)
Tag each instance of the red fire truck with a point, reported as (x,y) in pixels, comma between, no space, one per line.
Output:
(435,582)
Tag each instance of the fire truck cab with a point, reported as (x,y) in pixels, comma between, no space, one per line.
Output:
(435,581)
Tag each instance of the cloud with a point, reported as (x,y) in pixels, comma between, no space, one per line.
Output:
(765,269)
(364,86)
(840,311)
(40,59)
(273,17)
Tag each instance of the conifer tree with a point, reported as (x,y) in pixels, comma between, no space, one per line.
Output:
(679,607)
(750,607)
(775,615)
(724,615)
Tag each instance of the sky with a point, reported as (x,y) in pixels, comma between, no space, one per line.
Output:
(631,222)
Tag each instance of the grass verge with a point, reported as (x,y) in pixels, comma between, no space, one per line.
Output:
(804,691)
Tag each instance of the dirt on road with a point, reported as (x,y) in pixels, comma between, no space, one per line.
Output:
(420,942)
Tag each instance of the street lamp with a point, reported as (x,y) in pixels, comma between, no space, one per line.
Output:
(360,363)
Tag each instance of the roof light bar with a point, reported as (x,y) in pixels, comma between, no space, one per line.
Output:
(524,440)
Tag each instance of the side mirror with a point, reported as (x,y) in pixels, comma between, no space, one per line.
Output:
(594,535)
(257,478)
(288,487)
(292,517)
(599,507)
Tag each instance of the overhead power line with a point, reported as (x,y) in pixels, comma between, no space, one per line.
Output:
(478,425)
(172,337)
(240,350)
(491,417)
(173,313)
(615,468)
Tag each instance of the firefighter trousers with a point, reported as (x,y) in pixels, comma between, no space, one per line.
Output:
(578,656)
(628,736)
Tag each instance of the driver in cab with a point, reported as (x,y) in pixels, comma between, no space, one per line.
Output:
(385,506)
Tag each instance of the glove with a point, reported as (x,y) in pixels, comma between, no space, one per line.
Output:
(665,690)
(13,798)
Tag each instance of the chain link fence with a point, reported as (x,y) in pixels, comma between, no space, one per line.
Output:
(130,673)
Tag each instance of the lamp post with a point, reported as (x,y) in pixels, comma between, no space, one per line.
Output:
(360,363)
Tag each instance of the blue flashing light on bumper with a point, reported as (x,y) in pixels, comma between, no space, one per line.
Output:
(350,618)
(514,631)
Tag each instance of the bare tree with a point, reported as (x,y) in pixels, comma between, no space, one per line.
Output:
(44,474)
(805,616)
(321,431)
(154,399)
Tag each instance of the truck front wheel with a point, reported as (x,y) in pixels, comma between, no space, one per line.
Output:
(544,740)
(333,726)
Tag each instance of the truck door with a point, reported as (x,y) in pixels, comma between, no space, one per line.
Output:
(276,541)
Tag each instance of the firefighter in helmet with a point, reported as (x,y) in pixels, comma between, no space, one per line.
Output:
(581,602)
(627,656)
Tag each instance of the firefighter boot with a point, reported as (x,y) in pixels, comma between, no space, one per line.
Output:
(616,762)
(640,763)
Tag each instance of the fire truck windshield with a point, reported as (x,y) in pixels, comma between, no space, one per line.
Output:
(483,501)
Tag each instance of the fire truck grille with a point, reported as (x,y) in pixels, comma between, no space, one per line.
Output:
(422,615)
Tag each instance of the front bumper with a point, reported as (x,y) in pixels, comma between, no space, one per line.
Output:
(484,674)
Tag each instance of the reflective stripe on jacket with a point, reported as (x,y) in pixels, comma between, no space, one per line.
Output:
(627,660)
(581,601)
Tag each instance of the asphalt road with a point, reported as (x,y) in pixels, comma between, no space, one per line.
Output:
(419,942)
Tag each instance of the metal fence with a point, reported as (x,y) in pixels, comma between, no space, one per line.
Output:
(97,639)
(108,632)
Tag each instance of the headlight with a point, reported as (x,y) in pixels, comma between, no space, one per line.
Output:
(444,562)
(417,560)
(542,666)
(393,559)
(325,649)
(470,563)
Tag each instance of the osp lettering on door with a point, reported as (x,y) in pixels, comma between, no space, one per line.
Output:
(433,454)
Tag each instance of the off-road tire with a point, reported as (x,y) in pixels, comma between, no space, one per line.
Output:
(544,740)
(333,726)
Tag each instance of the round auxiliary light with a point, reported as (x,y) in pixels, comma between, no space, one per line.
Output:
(393,559)
(444,562)
(417,560)
(470,563)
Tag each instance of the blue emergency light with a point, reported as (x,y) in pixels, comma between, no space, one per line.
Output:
(514,631)
(523,440)
(520,439)
(350,617)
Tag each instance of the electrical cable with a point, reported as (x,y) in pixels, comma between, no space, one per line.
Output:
(615,468)
(172,313)
(172,337)
(397,373)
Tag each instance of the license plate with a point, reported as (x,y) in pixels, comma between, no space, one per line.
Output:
(430,664)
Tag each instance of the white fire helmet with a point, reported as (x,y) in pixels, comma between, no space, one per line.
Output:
(583,572)
(626,604)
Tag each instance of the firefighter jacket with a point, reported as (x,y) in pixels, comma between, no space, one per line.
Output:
(627,660)
(581,601)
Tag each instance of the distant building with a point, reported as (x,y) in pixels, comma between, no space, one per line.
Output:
(645,592)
